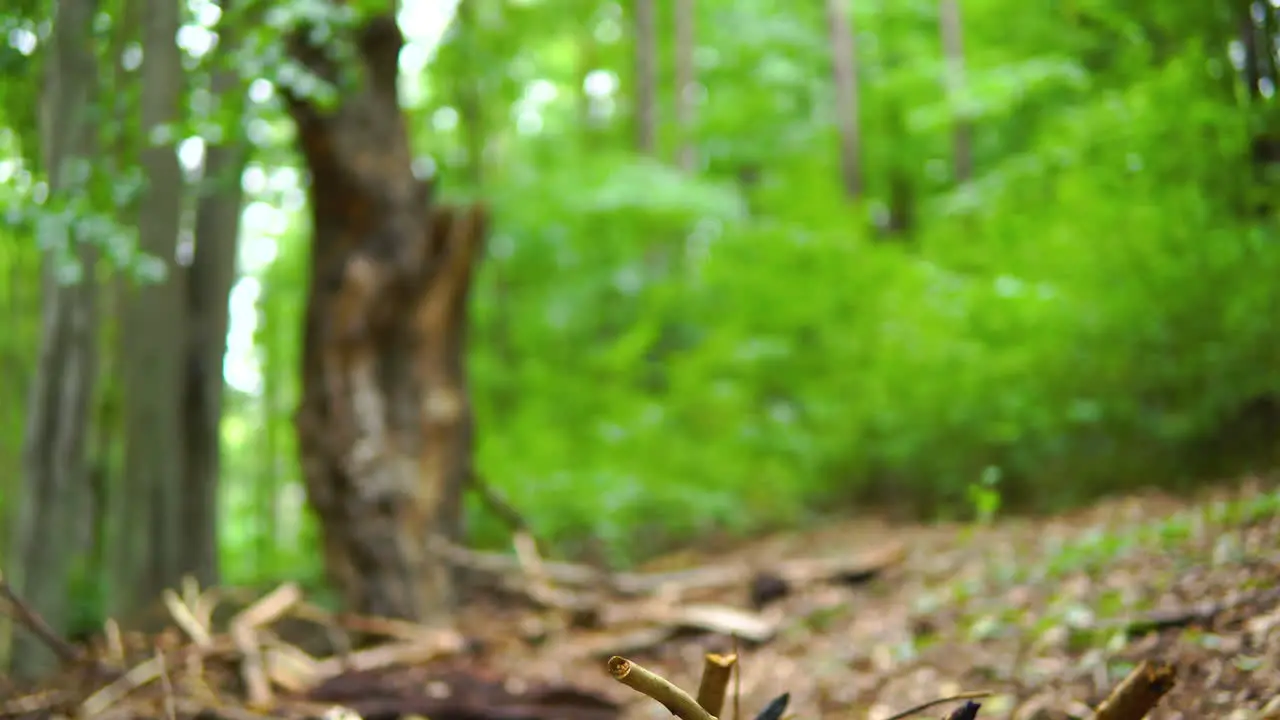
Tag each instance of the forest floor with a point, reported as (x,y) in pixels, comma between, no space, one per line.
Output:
(1048,614)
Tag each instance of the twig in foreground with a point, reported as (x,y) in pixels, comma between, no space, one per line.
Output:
(940,701)
(1138,693)
(716,670)
(647,682)
(776,708)
(967,711)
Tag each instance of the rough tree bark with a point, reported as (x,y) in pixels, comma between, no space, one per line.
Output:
(384,426)
(55,473)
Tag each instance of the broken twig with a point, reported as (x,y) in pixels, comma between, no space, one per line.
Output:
(1138,693)
(649,683)
(942,701)
(716,671)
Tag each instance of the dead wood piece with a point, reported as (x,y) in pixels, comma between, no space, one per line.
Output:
(629,641)
(719,619)
(649,627)
(395,653)
(252,666)
(244,634)
(457,694)
(849,569)
(1199,614)
(501,564)
(137,676)
(649,683)
(36,625)
(716,671)
(36,703)
(182,614)
(846,569)
(288,666)
(1139,693)
(269,608)
(968,710)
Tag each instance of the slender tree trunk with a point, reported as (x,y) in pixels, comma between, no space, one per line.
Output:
(953,84)
(212,274)
(122,546)
(844,74)
(56,484)
(646,82)
(384,427)
(153,335)
(686,83)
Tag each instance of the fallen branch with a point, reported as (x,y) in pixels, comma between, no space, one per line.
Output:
(649,683)
(942,701)
(37,626)
(1199,614)
(1138,693)
(793,573)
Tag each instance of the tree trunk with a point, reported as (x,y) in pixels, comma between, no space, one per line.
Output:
(56,484)
(953,83)
(686,84)
(153,338)
(384,426)
(212,274)
(844,75)
(646,82)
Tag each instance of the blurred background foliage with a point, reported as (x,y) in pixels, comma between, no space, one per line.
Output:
(659,356)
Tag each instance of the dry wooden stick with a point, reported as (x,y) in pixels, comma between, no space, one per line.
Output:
(182,614)
(716,671)
(32,621)
(104,698)
(737,683)
(170,711)
(243,630)
(940,701)
(647,682)
(1138,693)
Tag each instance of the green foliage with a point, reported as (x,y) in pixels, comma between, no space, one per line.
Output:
(657,356)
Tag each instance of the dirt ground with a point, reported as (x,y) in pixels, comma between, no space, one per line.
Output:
(1047,614)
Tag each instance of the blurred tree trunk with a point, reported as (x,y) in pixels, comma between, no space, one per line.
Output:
(384,426)
(111,560)
(212,273)
(153,336)
(844,75)
(646,82)
(953,83)
(56,485)
(686,84)
(1259,30)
